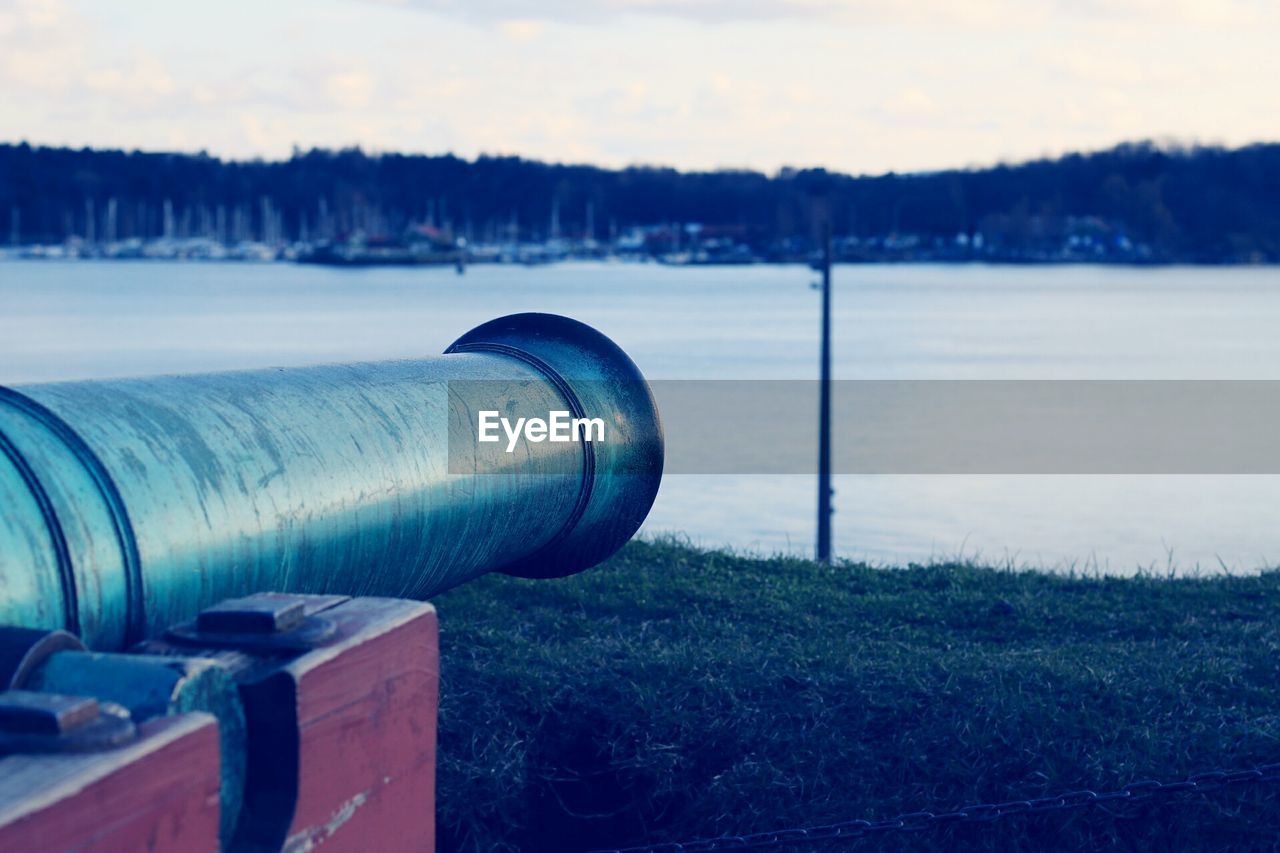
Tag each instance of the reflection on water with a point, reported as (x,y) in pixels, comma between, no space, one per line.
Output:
(64,320)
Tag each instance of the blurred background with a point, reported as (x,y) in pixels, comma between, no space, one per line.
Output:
(1015,190)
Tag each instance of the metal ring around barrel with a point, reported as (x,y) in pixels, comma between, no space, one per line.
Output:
(128,505)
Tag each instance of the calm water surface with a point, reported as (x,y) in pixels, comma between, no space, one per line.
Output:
(80,320)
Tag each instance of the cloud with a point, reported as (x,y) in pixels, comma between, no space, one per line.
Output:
(860,85)
(986,15)
(34,14)
(42,45)
(1199,13)
(47,52)
(144,80)
(604,11)
(350,89)
(1091,67)
(910,102)
(522,29)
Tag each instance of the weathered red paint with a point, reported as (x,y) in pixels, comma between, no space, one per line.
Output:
(159,794)
(366,713)
(341,753)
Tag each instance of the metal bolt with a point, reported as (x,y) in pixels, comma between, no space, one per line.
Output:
(27,712)
(263,613)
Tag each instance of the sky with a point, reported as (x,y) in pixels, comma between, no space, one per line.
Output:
(861,86)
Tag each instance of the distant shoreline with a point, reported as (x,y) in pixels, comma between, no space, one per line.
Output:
(1135,204)
(10,256)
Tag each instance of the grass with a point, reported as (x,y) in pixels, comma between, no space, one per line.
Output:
(675,693)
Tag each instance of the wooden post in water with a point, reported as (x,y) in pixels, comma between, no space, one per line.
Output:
(824,407)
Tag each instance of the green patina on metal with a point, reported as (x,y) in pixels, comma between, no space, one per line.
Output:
(132,504)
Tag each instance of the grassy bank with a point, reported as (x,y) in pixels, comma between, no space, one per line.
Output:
(675,693)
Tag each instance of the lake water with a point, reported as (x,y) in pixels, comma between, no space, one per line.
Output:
(82,320)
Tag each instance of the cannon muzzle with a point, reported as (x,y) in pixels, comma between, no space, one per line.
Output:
(129,505)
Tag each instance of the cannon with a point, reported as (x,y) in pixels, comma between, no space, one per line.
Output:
(130,505)
(205,641)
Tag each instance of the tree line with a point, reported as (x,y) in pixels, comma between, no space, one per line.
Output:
(1196,203)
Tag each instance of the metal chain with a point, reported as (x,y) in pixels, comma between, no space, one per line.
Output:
(980,813)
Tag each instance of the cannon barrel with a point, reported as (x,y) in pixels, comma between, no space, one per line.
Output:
(129,505)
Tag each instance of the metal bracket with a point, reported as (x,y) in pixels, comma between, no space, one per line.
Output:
(52,722)
(264,622)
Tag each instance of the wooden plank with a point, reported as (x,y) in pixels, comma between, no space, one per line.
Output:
(366,711)
(341,740)
(158,794)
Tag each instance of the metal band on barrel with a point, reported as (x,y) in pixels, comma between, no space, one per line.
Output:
(135,617)
(66,572)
